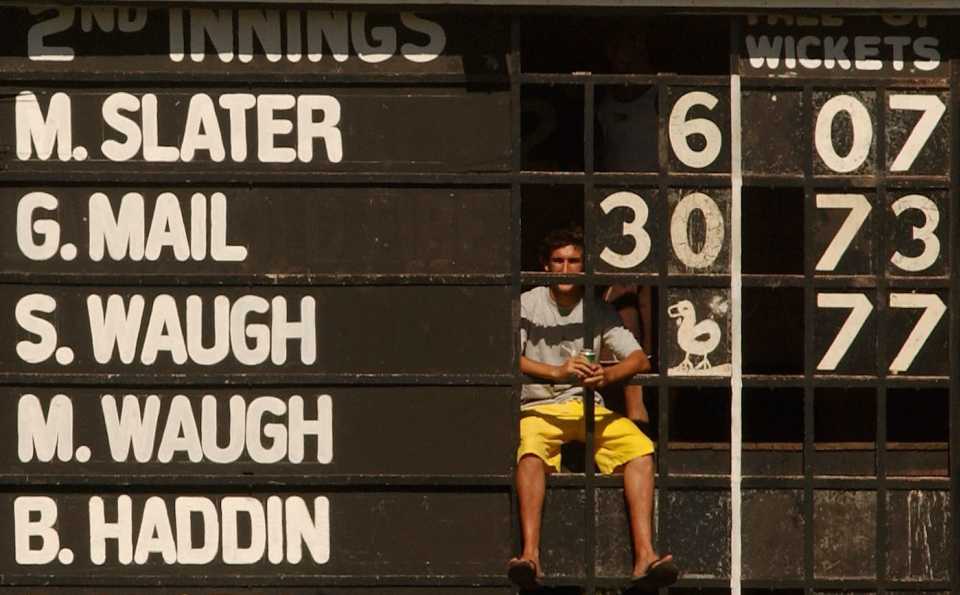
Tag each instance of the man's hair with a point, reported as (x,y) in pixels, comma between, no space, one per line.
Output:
(559,238)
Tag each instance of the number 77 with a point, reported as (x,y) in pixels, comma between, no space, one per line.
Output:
(860,309)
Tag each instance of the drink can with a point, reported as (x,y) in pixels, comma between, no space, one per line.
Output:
(590,355)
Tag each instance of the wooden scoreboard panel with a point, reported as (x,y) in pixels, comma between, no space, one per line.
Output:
(261,272)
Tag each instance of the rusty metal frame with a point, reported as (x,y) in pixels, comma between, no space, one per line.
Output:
(877,285)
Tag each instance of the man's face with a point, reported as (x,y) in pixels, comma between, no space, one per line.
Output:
(565,259)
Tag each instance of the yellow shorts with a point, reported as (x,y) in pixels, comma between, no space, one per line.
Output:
(545,428)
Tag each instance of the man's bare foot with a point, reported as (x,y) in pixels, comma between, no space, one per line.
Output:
(524,572)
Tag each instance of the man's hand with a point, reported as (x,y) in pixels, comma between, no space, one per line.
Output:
(576,367)
(597,378)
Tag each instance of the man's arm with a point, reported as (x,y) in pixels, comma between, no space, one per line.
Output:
(634,363)
(575,367)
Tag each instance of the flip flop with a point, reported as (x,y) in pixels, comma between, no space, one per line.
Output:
(661,573)
(523,573)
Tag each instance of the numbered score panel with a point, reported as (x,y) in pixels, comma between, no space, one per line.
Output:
(189,323)
(865,120)
(683,230)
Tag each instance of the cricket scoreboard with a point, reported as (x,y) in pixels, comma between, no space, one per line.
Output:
(260,270)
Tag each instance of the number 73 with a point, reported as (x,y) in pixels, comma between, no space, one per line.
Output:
(860,309)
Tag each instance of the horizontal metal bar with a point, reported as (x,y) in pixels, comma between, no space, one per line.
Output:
(759,82)
(273,379)
(272,79)
(260,481)
(845,483)
(284,579)
(794,381)
(181,480)
(247,280)
(23,175)
(868,584)
(668,79)
(846,282)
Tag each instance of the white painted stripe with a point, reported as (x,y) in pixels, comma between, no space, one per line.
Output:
(736,343)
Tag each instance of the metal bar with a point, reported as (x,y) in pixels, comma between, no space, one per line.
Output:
(880,397)
(181,479)
(590,305)
(663,408)
(276,379)
(809,311)
(265,279)
(954,338)
(516,252)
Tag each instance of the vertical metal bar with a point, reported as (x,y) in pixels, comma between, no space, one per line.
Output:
(809,356)
(663,391)
(736,308)
(880,398)
(589,322)
(954,346)
(515,244)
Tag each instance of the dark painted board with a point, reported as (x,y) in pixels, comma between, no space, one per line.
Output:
(849,254)
(614,548)
(918,535)
(917,330)
(845,140)
(358,534)
(372,330)
(105,42)
(255,432)
(773,534)
(261,232)
(845,534)
(278,129)
(700,461)
(563,538)
(830,334)
(918,463)
(699,232)
(771,462)
(630,234)
(905,109)
(829,45)
(698,129)
(698,333)
(772,131)
(919,241)
(838,462)
(695,527)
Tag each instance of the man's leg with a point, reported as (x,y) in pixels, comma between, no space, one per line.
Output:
(531,488)
(638,490)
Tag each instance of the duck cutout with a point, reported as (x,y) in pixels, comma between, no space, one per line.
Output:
(696,338)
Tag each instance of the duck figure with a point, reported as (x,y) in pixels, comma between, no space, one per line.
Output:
(695,338)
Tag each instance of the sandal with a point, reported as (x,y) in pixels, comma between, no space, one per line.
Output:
(660,573)
(523,573)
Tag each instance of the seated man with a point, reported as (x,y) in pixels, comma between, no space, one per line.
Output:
(551,338)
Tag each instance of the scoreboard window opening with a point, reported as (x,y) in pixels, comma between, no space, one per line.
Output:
(773,227)
(845,253)
(773,431)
